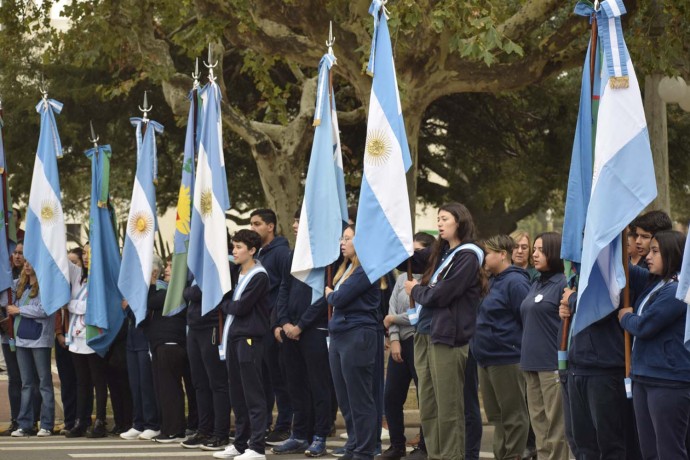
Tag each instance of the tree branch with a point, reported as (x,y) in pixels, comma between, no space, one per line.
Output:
(530,14)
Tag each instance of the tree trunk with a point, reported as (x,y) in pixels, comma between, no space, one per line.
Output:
(655,112)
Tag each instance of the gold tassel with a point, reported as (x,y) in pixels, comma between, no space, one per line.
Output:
(317,123)
(619,82)
(102,204)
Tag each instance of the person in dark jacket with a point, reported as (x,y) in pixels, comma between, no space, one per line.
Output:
(246,326)
(401,371)
(496,345)
(209,375)
(167,337)
(273,255)
(448,296)
(538,356)
(302,330)
(353,347)
(660,362)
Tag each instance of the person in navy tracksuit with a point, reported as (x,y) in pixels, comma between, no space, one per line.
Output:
(353,347)
(660,362)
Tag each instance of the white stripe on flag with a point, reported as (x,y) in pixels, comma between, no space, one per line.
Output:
(142,243)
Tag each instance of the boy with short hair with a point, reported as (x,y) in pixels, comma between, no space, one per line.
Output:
(645,226)
(246,325)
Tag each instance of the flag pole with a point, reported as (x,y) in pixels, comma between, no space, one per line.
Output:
(329,44)
(6,216)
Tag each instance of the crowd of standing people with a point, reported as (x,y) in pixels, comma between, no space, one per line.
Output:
(464,318)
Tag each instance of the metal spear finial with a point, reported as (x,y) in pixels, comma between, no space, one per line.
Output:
(331,38)
(93,139)
(210,65)
(195,74)
(145,109)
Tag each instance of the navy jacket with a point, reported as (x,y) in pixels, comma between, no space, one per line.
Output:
(541,323)
(454,299)
(598,349)
(294,303)
(499,325)
(195,320)
(161,329)
(658,350)
(250,310)
(356,303)
(274,256)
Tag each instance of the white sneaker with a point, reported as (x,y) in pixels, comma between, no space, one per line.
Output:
(20,433)
(229,452)
(251,455)
(148,435)
(385,435)
(343,435)
(43,433)
(130,434)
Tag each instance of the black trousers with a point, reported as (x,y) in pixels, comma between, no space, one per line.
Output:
(594,416)
(243,357)
(68,384)
(662,416)
(168,365)
(192,409)
(210,380)
(275,385)
(473,415)
(91,372)
(118,380)
(398,378)
(309,383)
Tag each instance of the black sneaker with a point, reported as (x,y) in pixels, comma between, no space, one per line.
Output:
(195,441)
(276,437)
(417,454)
(98,430)
(215,443)
(169,438)
(393,453)
(78,431)
(13,427)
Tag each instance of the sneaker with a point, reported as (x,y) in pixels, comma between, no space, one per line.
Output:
(97,430)
(291,446)
(117,430)
(130,434)
(229,452)
(251,455)
(277,437)
(317,447)
(148,435)
(43,433)
(385,434)
(339,451)
(77,431)
(195,441)
(169,438)
(343,435)
(215,443)
(416,454)
(394,452)
(22,433)
(13,427)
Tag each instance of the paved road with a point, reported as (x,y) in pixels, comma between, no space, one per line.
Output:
(60,448)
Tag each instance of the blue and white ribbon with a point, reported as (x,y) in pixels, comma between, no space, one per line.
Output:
(138,123)
(322,88)
(610,31)
(53,107)
(376,9)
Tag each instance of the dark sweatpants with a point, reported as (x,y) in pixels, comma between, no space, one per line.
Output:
(244,359)
(473,415)
(168,366)
(352,356)
(309,383)
(92,371)
(594,416)
(662,416)
(275,385)
(210,380)
(68,384)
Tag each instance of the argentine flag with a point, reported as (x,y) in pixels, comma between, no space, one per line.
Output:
(683,292)
(623,181)
(45,242)
(137,256)
(8,233)
(324,209)
(384,223)
(208,244)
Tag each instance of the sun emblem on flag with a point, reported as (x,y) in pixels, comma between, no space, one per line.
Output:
(378,148)
(183,210)
(206,203)
(49,212)
(140,225)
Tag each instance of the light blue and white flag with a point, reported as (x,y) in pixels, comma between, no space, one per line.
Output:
(208,244)
(623,182)
(45,241)
(137,255)
(324,209)
(683,292)
(104,314)
(384,236)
